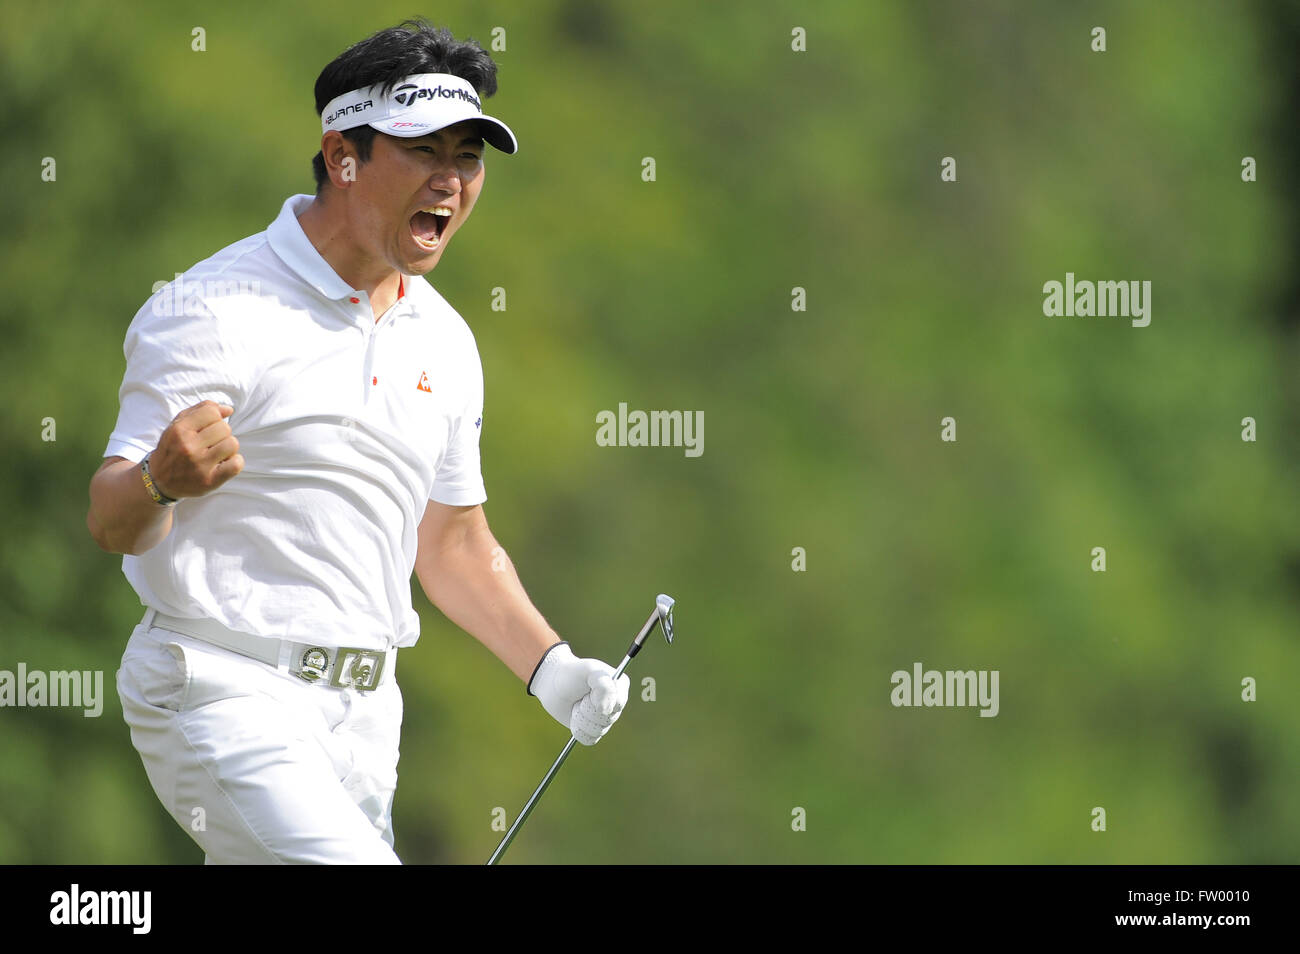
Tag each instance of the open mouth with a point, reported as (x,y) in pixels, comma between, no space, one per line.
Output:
(428,225)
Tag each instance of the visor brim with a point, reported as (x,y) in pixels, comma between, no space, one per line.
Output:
(494,132)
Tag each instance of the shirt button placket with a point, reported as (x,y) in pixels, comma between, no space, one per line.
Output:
(367,329)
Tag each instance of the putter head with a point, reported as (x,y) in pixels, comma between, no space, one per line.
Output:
(664,604)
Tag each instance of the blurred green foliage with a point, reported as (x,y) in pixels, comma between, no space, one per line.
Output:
(775,169)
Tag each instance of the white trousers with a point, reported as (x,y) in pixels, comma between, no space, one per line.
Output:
(256,765)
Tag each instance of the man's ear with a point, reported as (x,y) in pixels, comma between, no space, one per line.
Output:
(341,162)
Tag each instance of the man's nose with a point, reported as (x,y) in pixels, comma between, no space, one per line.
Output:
(445,177)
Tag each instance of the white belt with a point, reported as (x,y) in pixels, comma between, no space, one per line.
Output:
(343,667)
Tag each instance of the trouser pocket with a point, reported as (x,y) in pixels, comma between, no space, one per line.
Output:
(157,670)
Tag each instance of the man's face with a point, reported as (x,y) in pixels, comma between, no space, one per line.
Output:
(397,190)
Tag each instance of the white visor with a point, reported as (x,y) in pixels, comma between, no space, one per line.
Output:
(416,106)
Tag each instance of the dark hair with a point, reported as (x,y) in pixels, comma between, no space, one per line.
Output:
(414,46)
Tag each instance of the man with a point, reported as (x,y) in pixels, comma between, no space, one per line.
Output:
(298,432)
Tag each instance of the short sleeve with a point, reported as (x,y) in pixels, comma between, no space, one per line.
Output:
(459,479)
(174,360)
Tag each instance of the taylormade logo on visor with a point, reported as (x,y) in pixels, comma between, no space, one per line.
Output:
(412,93)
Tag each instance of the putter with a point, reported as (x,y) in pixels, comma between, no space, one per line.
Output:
(663,615)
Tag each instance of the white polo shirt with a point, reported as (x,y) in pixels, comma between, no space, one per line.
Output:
(347,426)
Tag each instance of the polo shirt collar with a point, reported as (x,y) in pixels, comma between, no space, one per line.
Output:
(290,242)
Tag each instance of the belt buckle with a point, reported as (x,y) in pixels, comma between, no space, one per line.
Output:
(358,669)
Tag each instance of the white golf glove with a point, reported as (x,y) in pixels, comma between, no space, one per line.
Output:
(580,694)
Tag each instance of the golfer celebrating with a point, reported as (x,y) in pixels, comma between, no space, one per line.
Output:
(299,432)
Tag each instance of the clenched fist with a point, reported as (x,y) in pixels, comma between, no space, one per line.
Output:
(197,453)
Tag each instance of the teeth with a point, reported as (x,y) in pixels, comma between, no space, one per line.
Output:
(439,211)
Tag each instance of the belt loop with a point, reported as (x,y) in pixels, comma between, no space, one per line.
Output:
(147,622)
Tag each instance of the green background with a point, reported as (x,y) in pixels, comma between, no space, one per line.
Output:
(775,169)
